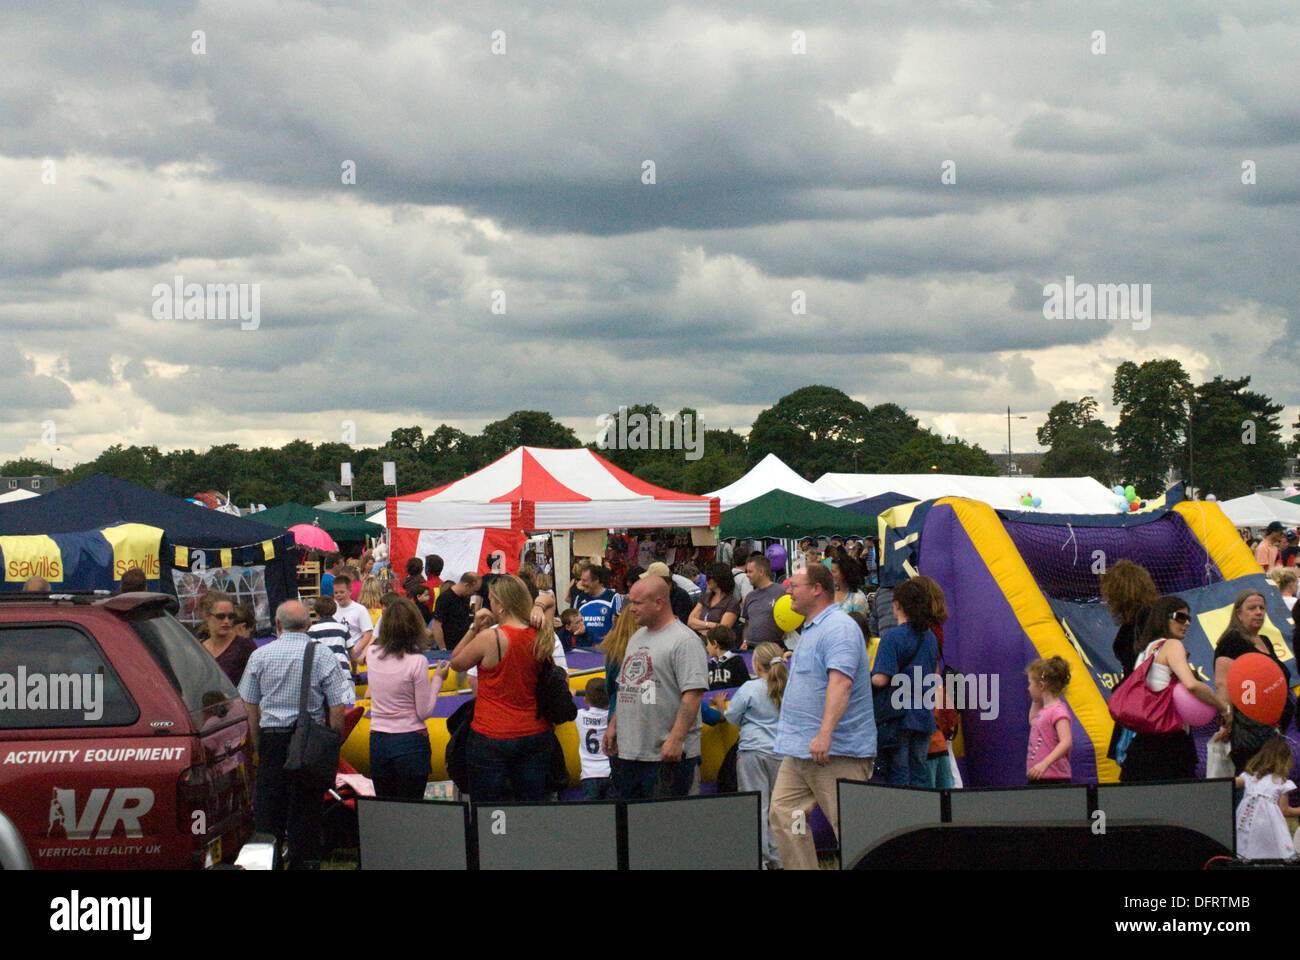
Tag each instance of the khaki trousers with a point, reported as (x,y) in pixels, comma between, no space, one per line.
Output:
(800,785)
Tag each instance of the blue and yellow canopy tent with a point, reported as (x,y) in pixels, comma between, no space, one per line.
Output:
(86,520)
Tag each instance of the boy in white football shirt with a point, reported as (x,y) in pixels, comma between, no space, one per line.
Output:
(592,722)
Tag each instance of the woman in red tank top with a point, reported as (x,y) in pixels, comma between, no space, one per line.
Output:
(508,750)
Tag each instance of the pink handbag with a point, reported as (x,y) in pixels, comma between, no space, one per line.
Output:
(1137,707)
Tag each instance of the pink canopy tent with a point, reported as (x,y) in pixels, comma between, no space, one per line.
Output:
(538,489)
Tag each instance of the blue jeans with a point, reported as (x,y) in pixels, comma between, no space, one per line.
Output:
(595,788)
(511,769)
(940,772)
(906,763)
(400,764)
(645,779)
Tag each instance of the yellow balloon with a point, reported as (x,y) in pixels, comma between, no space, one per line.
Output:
(785,616)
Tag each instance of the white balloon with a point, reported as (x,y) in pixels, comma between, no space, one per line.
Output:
(1211,497)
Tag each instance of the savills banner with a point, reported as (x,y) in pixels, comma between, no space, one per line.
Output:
(26,557)
(89,560)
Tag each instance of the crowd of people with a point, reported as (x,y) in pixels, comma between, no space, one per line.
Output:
(816,709)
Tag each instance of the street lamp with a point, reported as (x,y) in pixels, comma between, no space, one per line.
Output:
(1009,418)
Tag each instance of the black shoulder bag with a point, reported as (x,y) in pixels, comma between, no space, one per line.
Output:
(313,747)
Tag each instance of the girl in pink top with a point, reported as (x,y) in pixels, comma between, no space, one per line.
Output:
(1049,722)
(402,697)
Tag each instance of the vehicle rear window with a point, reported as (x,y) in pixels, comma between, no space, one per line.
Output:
(56,676)
(191,669)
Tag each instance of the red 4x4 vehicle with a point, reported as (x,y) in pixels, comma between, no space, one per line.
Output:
(122,743)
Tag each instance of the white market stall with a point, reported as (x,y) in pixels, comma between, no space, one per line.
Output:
(1257,511)
(1058,494)
(772,473)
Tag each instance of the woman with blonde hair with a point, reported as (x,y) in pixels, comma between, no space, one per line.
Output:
(1285,579)
(353,572)
(508,750)
(755,709)
(372,597)
(613,647)
(1242,636)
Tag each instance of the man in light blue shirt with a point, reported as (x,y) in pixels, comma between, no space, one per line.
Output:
(827,730)
(285,803)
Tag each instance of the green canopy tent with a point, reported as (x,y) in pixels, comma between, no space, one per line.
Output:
(778,515)
(337,525)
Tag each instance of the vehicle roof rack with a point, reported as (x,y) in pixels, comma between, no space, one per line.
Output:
(112,600)
(55,596)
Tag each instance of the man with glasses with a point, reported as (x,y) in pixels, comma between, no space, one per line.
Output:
(827,729)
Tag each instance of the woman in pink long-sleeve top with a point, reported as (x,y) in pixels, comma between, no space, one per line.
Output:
(402,697)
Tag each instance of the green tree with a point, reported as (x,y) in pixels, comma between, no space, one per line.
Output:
(1065,415)
(144,466)
(407,438)
(28,467)
(450,454)
(625,458)
(886,430)
(1153,404)
(525,428)
(1081,445)
(1082,452)
(1236,439)
(814,430)
(927,450)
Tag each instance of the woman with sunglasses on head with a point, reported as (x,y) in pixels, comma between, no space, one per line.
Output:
(1170,756)
(1241,637)
(230,650)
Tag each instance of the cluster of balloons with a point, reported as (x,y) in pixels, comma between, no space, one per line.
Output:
(1029,500)
(1128,498)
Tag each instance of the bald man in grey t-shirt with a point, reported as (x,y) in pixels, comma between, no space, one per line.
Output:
(654,728)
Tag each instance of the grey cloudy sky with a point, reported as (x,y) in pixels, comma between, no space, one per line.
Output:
(521,172)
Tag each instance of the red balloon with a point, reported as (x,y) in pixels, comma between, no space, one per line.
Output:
(1133,505)
(1257,687)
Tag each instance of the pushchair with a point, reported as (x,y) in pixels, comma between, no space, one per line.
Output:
(339,817)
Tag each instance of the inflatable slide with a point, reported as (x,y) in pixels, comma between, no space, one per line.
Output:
(1023,584)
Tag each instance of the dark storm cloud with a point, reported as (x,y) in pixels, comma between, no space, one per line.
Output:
(520,175)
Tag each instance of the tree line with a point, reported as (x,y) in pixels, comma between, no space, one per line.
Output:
(1224,436)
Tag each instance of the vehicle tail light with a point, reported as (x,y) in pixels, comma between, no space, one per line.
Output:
(193,793)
